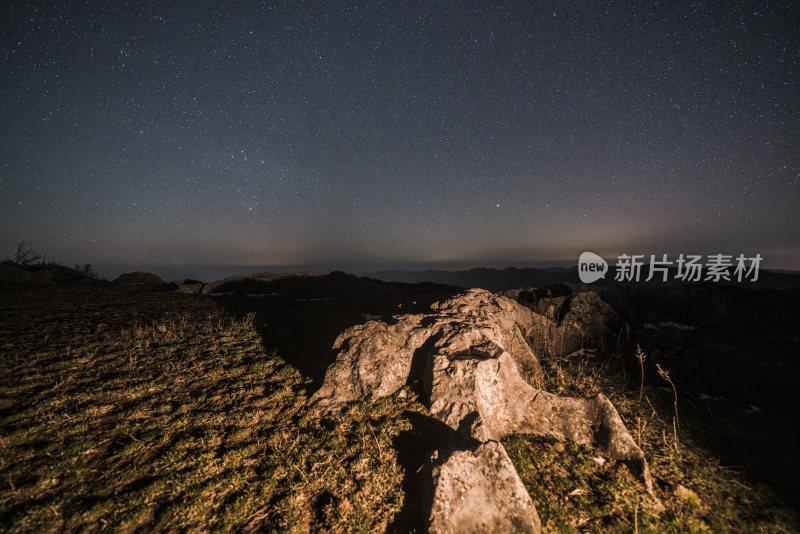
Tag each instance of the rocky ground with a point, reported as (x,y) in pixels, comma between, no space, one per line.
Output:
(132,406)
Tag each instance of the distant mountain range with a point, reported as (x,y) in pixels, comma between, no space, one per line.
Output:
(511,278)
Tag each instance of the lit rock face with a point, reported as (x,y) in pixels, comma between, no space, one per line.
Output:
(466,352)
(375,359)
(478,391)
(479,491)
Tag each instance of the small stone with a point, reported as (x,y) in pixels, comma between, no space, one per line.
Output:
(686,495)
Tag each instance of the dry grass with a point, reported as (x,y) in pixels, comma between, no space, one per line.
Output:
(573,491)
(161,412)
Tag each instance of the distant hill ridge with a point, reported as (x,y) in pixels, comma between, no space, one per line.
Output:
(512,278)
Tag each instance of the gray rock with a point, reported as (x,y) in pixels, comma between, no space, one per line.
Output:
(567,323)
(593,421)
(374,359)
(141,280)
(590,316)
(478,391)
(479,491)
(479,314)
(190,288)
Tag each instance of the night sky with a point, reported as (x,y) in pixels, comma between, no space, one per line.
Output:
(398,133)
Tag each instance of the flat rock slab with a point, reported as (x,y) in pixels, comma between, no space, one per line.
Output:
(479,491)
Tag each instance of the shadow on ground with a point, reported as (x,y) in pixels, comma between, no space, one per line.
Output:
(299,317)
(414,447)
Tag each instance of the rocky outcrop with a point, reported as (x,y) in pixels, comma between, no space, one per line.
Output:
(568,323)
(480,393)
(593,421)
(376,358)
(142,281)
(466,352)
(191,287)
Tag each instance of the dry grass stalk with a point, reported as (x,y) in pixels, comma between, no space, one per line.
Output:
(641,356)
(665,375)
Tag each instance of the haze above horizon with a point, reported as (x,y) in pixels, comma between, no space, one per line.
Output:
(398,133)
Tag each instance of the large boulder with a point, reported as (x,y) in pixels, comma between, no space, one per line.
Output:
(591,421)
(376,358)
(478,391)
(589,315)
(565,324)
(190,287)
(479,315)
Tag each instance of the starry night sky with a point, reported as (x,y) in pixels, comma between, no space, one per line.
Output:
(398,133)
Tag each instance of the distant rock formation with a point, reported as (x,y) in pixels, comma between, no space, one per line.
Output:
(311,285)
(246,283)
(467,353)
(143,281)
(190,287)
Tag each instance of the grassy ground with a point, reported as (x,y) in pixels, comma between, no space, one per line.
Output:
(574,488)
(161,411)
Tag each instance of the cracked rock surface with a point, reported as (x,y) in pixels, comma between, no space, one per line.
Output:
(467,353)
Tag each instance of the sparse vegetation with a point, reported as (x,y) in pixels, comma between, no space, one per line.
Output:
(25,254)
(574,488)
(641,357)
(665,375)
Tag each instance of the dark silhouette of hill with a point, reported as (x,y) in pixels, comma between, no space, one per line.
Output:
(512,278)
(40,273)
(491,279)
